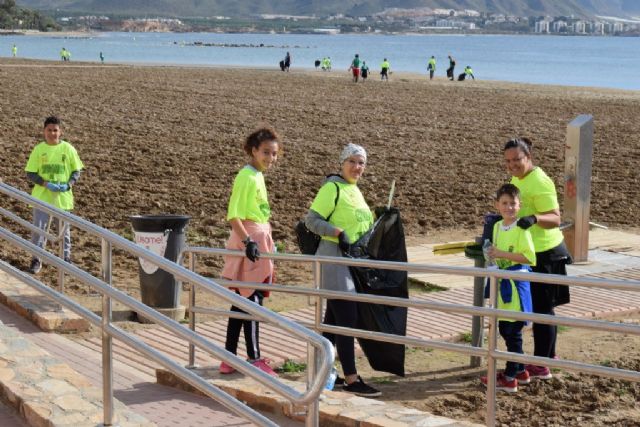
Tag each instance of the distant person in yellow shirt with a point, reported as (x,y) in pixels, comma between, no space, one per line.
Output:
(14,51)
(385,70)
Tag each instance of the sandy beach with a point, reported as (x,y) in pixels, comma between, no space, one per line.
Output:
(167,139)
(160,139)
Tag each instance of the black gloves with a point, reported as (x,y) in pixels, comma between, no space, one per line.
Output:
(251,249)
(343,242)
(527,221)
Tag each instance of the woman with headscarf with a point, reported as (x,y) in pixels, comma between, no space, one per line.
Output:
(340,214)
(540,213)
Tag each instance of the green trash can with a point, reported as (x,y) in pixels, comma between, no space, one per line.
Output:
(163,235)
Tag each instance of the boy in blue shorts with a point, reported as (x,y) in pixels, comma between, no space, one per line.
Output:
(513,250)
(53,167)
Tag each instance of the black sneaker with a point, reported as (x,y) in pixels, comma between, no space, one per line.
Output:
(359,388)
(339,382)
(35,267)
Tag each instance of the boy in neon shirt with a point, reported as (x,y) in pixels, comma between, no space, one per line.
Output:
(54,167)
(513,250)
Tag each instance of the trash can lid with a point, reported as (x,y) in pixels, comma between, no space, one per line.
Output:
(160,222)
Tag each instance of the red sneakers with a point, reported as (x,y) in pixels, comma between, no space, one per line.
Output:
(540,372)
(226,369)
(523,377)
(502,383)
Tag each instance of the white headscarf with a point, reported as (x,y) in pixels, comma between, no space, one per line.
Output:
(352,150)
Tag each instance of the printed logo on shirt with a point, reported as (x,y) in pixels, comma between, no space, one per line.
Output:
(52,168)
(363,215)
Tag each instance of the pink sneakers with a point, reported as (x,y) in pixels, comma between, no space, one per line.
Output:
(502,383)
(263,364)
(226,369)
(540,372)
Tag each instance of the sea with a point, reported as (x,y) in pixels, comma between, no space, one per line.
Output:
(606,62)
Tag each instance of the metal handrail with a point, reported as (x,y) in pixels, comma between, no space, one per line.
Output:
(323,360)
(491,353)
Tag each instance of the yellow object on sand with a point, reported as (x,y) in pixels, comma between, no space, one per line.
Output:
(451,248)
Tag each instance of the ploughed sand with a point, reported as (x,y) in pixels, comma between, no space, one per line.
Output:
(168,140)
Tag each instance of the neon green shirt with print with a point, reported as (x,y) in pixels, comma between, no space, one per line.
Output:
(249,197)
(538,194)
(515,240)
(352,214)
(54,163)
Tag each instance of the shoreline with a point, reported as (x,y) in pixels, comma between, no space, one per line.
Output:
(395,76)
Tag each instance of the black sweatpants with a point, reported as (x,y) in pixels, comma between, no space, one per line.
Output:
(251,330)
(546,296)
(342,313)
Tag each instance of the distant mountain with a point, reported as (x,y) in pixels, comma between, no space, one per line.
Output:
(185,8)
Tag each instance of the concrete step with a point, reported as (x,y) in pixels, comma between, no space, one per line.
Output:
(48,392)
(337,408)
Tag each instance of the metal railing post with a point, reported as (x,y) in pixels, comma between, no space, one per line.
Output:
(61,230)
(192,314)
(491,361)
(107,344)
(477,322)
(313,362)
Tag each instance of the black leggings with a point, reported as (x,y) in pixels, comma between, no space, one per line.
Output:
(251,330)
(342,313)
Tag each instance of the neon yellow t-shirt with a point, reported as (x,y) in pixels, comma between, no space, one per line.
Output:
(538,194)
(249,197)
(516,240)
(352,214)
(54,163)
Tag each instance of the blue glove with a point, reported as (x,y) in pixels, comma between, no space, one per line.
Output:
(64,187)
(53,187)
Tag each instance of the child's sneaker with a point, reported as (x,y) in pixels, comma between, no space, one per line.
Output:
(35,266)
(502,383)
(263,365)
(540,372)
(359,388)
(523,377)
(226,369)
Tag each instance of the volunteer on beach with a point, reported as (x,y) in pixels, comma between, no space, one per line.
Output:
(248,214)
(540,213)
(340,214)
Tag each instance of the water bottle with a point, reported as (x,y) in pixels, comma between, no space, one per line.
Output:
(489,262)
(331,380)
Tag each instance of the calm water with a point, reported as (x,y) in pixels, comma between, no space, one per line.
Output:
(580,61)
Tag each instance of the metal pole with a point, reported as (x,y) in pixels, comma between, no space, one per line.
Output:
(578,156)
(313,361)
(192,314)
(61,229)
(477,322)
(491,361)
(107,349)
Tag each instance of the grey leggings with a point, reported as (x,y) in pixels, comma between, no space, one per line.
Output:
(41,220)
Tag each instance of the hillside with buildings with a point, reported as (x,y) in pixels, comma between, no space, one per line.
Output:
(594,17)
(247,8)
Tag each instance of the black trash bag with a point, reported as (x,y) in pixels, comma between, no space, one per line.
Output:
(385,242)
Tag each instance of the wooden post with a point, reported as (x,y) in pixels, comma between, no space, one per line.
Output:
(577,185)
